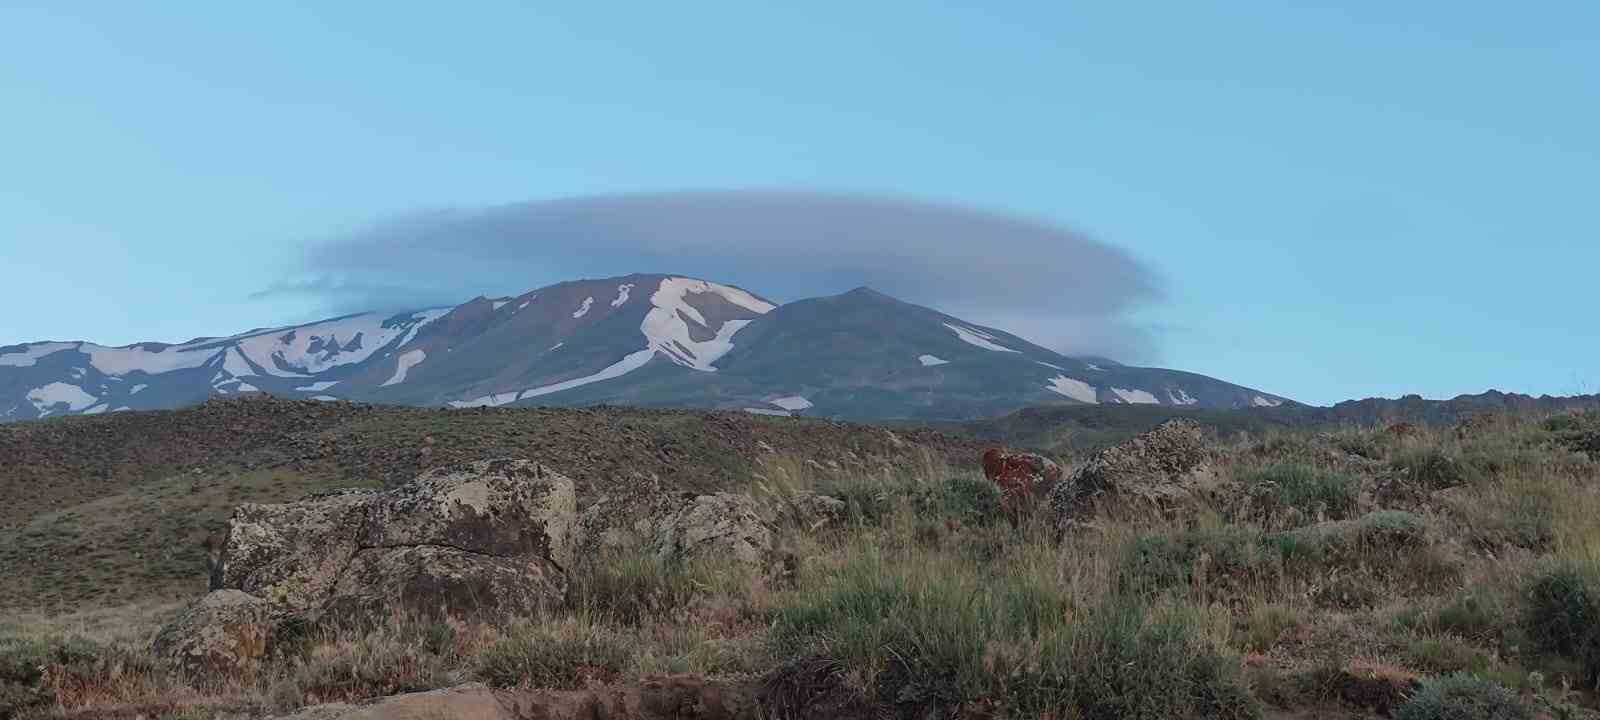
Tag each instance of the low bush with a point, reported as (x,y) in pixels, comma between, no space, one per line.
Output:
(1229,557)
(1463,697)
(1286,495)
(1431,468)
(567,657)
(1562,613)
(630,587)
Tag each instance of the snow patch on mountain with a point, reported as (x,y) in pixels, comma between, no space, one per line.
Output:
(1260,401)
(792,402)
(135,389)
(96,410)
(1136,397)
(631,362)
(318,386)
(1179,397)
(978,337)
(46,398)
(931,360)
(1075,389)
(767,411)
(1093,366)
(583,309)
(1048,365)
(556,346)
(406,361)
(30,354)
(667,331)
(622,294)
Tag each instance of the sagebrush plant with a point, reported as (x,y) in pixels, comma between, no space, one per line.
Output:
(1561,613)
(1462,696)
(1289,494)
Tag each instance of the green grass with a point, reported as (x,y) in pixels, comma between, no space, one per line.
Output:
(1463,696)
(1290,494)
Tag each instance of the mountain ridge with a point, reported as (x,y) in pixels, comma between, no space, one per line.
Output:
(644,339)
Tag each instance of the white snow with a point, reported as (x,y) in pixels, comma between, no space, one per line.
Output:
(235,364)
(1179,397)
(120,361)
(792,402)
(524,305)
(666,331)
(622,294)
(583,310)
(555,346)
(122,408)
(1048,365)
(1093,366)
(293,345)
(977,337)
(1260,401)
(324,398)
(76,373)
(1075,389)
(30,354)
(408,360)
(1136,397)
(45,398)
(501,303)
(931,360)
(622,367)
(766,411)
(96,410)
(137,388)
(246,387)
(318,386)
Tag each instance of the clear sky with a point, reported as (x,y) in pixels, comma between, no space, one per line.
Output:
(1344,199)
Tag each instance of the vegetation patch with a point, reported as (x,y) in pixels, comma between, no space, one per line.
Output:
(1461,696)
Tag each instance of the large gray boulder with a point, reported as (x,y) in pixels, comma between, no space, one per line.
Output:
(225,632)
(639,516)
(1157,469)
(488,537)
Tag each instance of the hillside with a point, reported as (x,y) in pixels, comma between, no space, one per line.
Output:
(640,340)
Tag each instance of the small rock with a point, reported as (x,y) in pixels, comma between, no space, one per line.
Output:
(224,632)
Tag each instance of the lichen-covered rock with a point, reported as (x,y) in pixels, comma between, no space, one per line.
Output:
(816,512)
(724,525)
(628,516)
(1022,478)
(1160,468)
(224,632)
(430,581)
(291,554)
(493,507)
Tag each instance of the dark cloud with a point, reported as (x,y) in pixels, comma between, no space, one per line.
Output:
(1044,282)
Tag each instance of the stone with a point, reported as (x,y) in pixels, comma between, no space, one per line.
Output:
(1023,479)
(492,507)
(224,632)
(724,525)
(291,554)
(1159,468)
(434,582)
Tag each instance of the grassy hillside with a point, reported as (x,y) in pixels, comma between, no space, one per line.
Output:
(112,509)
(1412,572)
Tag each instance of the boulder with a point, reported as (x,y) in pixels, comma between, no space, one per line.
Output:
(640,516)
(815,512)
(1023,479)
(1161,468)
(724,525)
(224,632)
(430,581)
(474,538)
(502,508)
(291,554)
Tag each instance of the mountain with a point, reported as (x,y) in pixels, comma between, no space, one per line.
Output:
(646,340)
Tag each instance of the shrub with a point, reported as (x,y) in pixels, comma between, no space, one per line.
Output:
(22,669)
(1468,615)
(1446,655)
(1431,469)
(632,586)
(1562,614)
(931,635)
(1308,492)
(1463,697)
(561,658)
(1230,555)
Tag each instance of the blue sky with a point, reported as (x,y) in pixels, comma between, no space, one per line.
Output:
(1370,199)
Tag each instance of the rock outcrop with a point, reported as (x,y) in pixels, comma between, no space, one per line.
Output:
(481,538)
(639,515)
(1023,479)
(665,698)
(1159,468)
(224,632)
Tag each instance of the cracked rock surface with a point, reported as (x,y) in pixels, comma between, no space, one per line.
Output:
(478,538)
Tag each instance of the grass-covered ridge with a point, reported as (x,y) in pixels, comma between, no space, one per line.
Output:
(1428,573)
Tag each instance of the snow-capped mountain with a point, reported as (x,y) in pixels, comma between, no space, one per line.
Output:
(642,339)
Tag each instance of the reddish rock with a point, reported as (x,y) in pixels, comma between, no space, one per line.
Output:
(1023,478)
